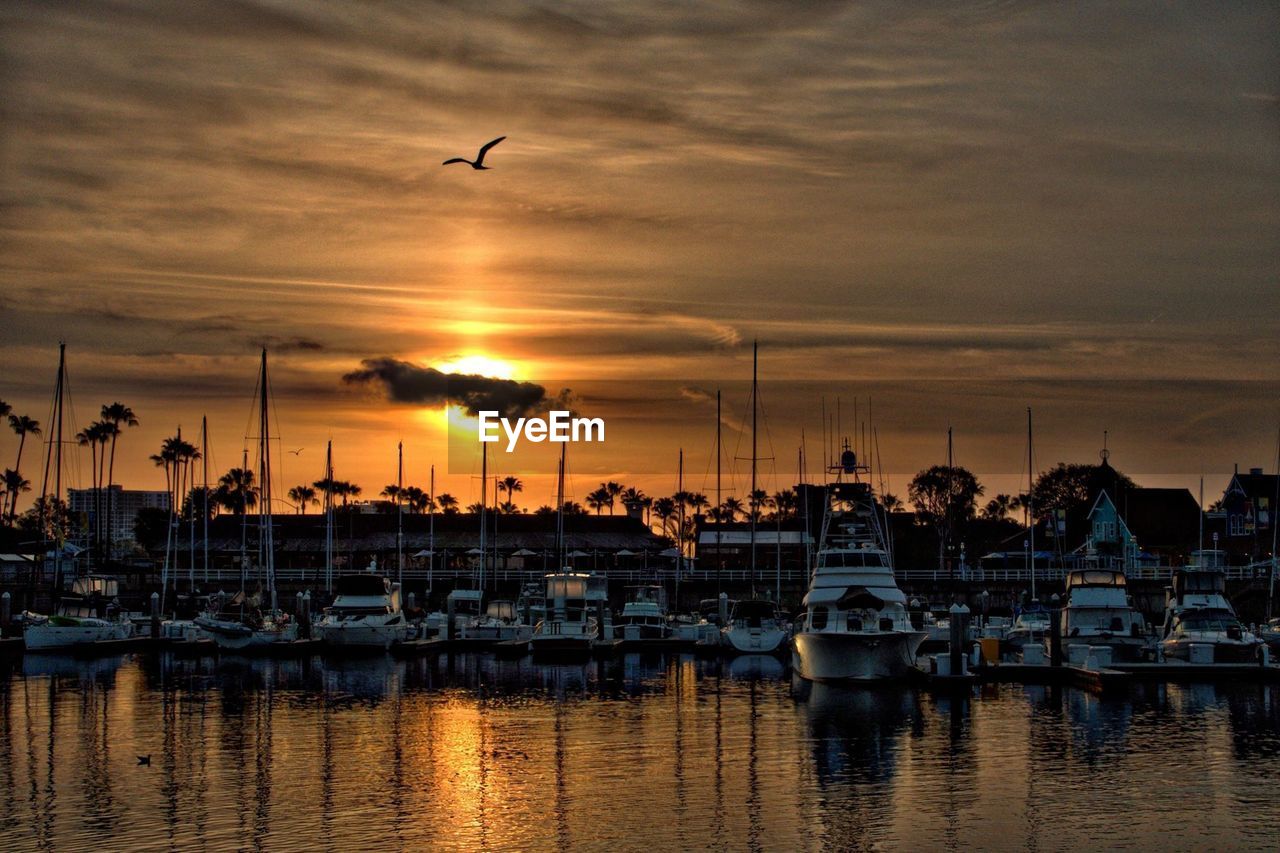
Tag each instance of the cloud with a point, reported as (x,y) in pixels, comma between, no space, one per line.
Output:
(405,382)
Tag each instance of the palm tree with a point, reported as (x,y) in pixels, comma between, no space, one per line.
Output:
(697,501)
(891,503)
(117,415)
(614,489)
(5,408)
(998,507)
(731,508)
(237,491)
(23,426)
(758,500)
(392,491)
(301,496)
(92,436)
(512,485)
(448,503)
(475,508)
(665,509)
(414,498)
(14,484)
(599,499)
(784,503)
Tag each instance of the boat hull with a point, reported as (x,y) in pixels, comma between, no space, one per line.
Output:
(753,641)
(46,637)
(236,636)
(1224,651)
(1124,649)
(348,635)
(834,656)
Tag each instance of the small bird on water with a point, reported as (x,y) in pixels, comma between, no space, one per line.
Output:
(144,760)
(478,163)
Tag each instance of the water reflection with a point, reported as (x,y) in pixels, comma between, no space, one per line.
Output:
(647,751)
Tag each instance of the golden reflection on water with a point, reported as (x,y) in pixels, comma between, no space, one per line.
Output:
(477,754)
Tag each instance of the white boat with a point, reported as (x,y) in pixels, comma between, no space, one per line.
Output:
(90,614)
(856,625)
(574,603)
(252,628)
(755,627)
(1197,614)
(644,615)
(1030,627)
(1098,612)
(249,630)
(366,614)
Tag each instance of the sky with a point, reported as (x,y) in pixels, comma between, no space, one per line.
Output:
(957,211)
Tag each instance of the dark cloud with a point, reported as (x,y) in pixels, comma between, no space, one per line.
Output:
(405,382)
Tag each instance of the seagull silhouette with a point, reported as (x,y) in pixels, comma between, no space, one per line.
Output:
(144,760)
(297,452)
(478,163)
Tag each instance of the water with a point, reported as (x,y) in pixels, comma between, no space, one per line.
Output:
(661,753)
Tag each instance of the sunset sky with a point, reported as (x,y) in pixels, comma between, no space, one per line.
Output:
(918,203)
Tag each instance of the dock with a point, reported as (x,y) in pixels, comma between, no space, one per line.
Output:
(1117,676)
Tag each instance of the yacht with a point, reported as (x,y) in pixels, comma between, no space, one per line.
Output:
(366,613)
(574,604)
(247,629)
(1030,627)
(1197,613)
(90,614)
(1098,612)
(755,627)
(500,622)
(644,616)
(856,625)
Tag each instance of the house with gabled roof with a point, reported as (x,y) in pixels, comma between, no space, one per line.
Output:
(1141,526)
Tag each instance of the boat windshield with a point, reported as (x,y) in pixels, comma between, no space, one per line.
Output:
(1218,621)
(1096,577)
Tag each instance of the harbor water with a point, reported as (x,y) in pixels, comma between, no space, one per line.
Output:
(664,752)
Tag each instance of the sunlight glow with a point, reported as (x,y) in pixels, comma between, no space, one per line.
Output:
(482,365)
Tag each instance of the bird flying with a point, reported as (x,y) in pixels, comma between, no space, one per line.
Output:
(478,163)
(297,452)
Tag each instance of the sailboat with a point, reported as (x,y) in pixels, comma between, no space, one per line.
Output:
(253,627)
(856,625)
(575,602)
(91,613)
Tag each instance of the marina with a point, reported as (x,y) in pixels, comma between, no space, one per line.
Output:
(470,751)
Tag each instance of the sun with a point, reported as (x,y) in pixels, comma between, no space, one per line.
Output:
(476,364)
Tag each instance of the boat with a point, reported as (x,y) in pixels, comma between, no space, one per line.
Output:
(576,603)
(1099,613)
(1030,627)
(255,626)
(366,614)
(500,622)
(856,625)
(1270,634)
(644,615)
(1200,625)
(755,627)
(90,614)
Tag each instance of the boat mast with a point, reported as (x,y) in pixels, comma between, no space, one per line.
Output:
(244,529)
(54,459)
(1031,515)
(431,534)
(328,517)
(204,492)
(191,524)
(751,498)
(400,513)
(1275,527)
(680,523)
(719,501)
(268,538)
(484,499)
(560,510)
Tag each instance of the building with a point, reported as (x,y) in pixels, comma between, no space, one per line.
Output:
(1248,514)
(1144,527)
(123,504)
